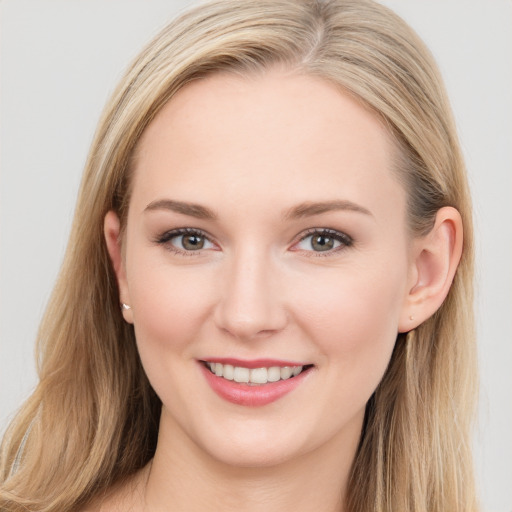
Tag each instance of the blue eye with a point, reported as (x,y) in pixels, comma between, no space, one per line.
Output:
(324,240)
(186,240)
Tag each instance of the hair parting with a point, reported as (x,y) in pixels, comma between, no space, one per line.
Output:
(93,419)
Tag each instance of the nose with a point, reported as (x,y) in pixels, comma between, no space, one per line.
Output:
(251,298)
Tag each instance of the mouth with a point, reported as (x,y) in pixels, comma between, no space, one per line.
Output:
(254,383)
(258,376)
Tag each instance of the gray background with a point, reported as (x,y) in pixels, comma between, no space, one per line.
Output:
(59,61)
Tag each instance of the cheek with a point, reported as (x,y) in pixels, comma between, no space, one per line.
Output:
(353,316)
(169,312)
(169,307)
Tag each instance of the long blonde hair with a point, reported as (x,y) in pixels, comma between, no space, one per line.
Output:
(93,419)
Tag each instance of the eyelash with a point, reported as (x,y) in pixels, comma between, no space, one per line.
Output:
(344,239)
(165,239)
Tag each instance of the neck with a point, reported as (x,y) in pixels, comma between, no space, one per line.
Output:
(183,475)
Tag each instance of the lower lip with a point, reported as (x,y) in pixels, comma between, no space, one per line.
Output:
(253,396)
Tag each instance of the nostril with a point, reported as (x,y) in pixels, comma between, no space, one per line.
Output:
(249,303)
(250,328)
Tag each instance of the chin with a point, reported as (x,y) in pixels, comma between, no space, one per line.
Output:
(253,443)
(253,456)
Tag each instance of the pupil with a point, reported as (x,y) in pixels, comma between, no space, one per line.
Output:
(322,243)
(193,242)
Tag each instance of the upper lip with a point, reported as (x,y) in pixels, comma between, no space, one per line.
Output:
(254,363)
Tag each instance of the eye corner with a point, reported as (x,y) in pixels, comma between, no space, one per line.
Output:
(186,248)
(333,242)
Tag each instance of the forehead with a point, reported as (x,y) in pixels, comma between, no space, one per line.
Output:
(276,136)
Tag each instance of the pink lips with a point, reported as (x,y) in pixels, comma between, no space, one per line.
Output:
(252,395)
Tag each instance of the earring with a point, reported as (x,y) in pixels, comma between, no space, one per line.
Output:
(125,306)
(411,318)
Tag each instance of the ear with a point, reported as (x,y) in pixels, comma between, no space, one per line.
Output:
(435,258)
(112,231)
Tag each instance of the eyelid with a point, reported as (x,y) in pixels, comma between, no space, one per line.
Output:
(343,238)
(166,237)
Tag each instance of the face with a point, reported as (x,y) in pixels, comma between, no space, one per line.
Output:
(266,236)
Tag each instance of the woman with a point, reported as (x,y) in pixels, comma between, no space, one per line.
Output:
(266,300)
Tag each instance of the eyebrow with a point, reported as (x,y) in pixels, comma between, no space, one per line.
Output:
(190,209)
(308,209)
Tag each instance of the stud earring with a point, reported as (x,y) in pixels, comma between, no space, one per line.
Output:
(410,316)
(125,306)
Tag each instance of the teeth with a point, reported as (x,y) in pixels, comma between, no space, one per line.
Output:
(259,376)
(255,375)
(228,372)
(287,372)
(241,374)
(274,374)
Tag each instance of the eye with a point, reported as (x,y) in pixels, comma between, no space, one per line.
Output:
(323,240)
(186,240)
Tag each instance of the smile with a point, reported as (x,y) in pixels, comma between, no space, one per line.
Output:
(253,383)
(254,376)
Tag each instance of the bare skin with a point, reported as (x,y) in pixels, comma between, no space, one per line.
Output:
(302,254)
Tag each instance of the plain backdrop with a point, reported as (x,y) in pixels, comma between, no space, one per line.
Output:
(59,62)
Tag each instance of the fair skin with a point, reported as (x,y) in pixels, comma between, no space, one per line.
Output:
(297,254)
